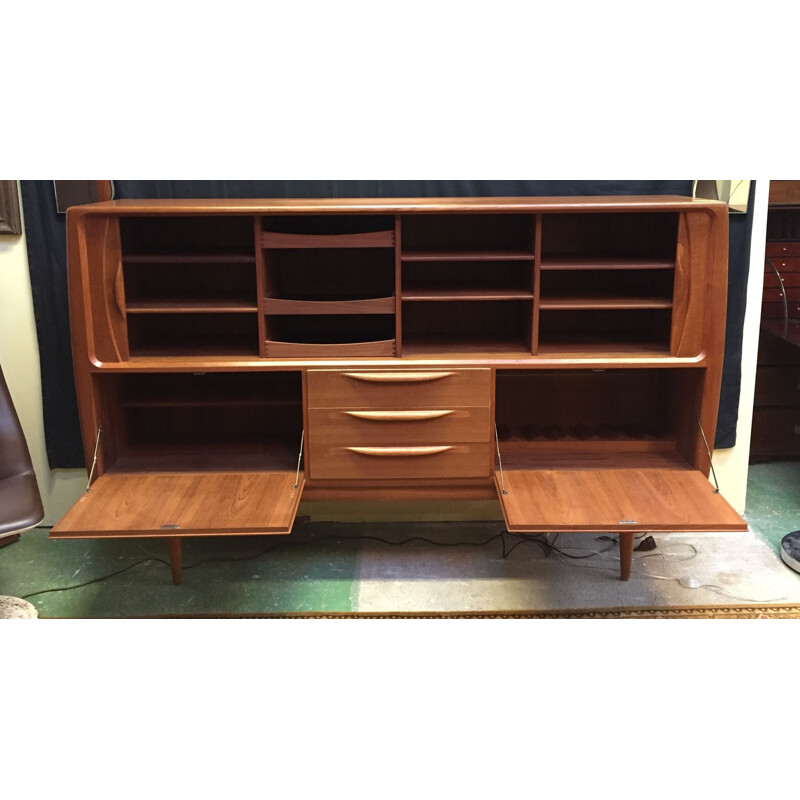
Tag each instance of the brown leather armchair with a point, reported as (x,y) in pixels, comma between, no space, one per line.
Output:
(20,501)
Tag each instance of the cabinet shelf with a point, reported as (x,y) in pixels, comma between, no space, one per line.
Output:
(197,306)
(372,305)
(189,258)
(276,349)
(588,263)
(611,303)
(444,294)
(467,255)
(272,240)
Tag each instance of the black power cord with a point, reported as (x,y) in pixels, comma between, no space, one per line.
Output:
(537,539)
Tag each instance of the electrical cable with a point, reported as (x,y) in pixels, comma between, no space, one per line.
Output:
(539,539)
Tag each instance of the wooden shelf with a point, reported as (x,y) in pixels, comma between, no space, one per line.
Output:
(276,241)
(191,307)
(577,303)
(595,348)
(277,349)
(629,454)
(189,258)
(377,305)
(588,263)
(441,294)
(467,255)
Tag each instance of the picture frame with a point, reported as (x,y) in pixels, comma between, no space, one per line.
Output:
(10,221)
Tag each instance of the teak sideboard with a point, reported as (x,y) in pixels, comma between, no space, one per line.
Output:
(561,354)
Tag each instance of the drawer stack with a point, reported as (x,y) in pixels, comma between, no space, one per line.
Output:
(399,424)
(776,413)
(785,257)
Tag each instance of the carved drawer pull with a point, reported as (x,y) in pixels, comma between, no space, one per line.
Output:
(398,451)
(119,290)
(397,416)
(398,377)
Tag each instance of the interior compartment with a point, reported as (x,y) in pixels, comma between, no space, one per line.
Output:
(330,329)
(619,415)
(487,327)
(468,232)
(335,274)
(202,422)
(643,235)
(186,283)
(328,224)
(607,284)
(193,334)
(191,236)
(599,330)
(474,278)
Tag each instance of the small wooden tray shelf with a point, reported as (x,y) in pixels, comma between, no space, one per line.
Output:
(380,349)
(467,255)
(271,240)
(376,305)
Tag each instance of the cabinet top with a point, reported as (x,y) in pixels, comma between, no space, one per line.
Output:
(395,205)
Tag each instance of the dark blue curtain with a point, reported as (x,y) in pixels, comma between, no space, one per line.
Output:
(47,256)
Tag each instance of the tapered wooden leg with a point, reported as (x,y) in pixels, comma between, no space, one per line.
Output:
(626,539)
(176,559)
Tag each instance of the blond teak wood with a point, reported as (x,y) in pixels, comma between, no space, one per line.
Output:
(386,335)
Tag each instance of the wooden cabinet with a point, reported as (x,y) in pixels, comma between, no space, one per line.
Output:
(233,356)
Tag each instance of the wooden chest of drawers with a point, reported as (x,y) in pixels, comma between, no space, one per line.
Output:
(399,425)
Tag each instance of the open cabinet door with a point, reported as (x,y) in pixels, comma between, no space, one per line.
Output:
(185,504)
(612,500)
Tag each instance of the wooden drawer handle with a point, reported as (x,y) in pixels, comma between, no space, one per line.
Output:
(398,451)
(119,289)
(397,416)
(398,377)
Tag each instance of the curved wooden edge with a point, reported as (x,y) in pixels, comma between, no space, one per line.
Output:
(397,377)
(399,451)
(398,416)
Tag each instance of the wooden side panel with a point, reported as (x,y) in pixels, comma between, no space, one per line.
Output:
(185,504)
(104,288)
(613,500)
(691,275)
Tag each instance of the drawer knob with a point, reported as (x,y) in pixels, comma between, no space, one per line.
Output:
(398,451)
(398,416)
(398,377)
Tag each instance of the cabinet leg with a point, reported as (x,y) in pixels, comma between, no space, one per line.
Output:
(626,539)
(176,559)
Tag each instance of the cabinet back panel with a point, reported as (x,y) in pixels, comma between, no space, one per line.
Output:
(627,235)
(468,232)
(180,235)
(328,224)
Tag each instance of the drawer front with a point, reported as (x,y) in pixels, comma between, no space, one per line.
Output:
(784,265)
(773,294)
(385,389)
(778,386)
(780,249)
(790,280)
(402,462)
(401,426)
(776,432)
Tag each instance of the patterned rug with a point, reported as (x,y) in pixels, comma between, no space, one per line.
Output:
(677,612)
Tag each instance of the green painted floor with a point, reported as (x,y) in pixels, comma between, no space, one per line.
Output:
(773,500)
(322,567)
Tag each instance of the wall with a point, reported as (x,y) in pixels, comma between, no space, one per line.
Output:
(731,464)
(19,357)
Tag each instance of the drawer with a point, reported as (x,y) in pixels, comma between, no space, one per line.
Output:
(387,389)
(404,462)
(776,432)
(778,386)
(783,265)
(776,310)
(790,279)
(779,249)
(401,426)
(772,294)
